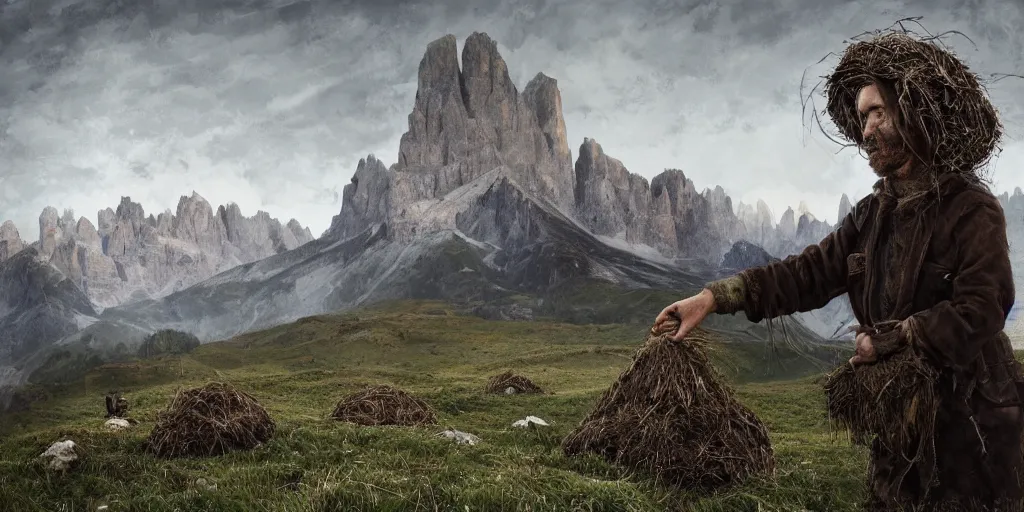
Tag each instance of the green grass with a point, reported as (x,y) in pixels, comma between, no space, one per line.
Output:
(299,371)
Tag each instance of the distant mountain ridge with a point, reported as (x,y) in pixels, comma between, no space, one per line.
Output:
(128,256)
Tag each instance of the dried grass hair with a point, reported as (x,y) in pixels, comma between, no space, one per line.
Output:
(895,400)
(384,405)
(941,108)
(671,415)
(501,383)
(210,420)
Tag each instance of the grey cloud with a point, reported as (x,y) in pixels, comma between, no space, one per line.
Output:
(271,103)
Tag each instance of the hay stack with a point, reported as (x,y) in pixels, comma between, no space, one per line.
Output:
(210,420)
(501,384)
(895,399)
(671,415)
(384,405)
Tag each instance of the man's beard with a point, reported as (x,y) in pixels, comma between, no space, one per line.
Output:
(887,153)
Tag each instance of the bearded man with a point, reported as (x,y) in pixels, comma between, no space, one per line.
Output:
(925,262)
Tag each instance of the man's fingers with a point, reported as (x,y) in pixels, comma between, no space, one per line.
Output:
(662,317)
(681,333)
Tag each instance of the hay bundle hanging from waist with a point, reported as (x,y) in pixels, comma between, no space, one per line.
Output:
(671,415)
(895,399)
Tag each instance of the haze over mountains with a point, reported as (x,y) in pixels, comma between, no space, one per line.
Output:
(483,203)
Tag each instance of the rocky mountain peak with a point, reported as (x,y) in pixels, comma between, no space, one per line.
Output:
(487,90)
(845,207)
(543,97)
(10,240)
(468,122)
(88,234)
(743,255)
(128,255)
(802,209)
(49,230)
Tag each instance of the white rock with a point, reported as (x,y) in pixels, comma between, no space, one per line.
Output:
(510,390)
(60,454)
(118,424)
(530,421)
(460,437)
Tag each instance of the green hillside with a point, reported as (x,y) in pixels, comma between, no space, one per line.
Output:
(300,370)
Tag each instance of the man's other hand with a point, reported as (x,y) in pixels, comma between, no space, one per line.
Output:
(865,350)
(690,312)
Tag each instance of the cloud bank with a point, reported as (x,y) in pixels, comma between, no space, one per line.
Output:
(271,104)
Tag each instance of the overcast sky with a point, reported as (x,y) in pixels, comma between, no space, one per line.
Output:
(271,105)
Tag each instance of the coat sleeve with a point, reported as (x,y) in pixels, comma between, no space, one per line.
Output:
(801,282)
(952,331)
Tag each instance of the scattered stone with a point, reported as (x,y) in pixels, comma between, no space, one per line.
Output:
(60,455)
(202,483)
(529,422)
(460,437)
(118,424)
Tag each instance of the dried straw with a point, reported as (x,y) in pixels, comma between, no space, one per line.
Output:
(384,405)
(671,415)
(500,383)
(939,99)
(895,399)
(210,420)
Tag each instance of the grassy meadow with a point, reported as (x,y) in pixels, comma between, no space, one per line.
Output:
(299,371)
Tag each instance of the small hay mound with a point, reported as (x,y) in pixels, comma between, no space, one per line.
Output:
(895,398)
(210,420)
(501,383)
(671,415)
(384,405)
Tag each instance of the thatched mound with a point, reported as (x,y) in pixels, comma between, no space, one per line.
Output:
(502,383)
(384,405)
(937,94)
(210,420)
(671,415)
(895,399)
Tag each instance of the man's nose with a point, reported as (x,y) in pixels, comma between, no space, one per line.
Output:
(869,129)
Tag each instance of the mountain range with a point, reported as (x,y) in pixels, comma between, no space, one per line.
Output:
(484,204)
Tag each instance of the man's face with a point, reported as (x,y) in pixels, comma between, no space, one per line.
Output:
(887,153)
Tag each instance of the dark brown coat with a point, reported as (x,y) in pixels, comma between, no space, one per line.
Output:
(953,291)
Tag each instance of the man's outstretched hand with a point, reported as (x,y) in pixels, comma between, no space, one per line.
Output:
(690,312)
(865,351)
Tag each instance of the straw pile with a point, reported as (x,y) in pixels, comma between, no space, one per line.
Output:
(895,398)
(210,420)
(671,415)
(502,383)
(384,405)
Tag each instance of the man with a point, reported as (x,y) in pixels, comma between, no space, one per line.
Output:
(925,262)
